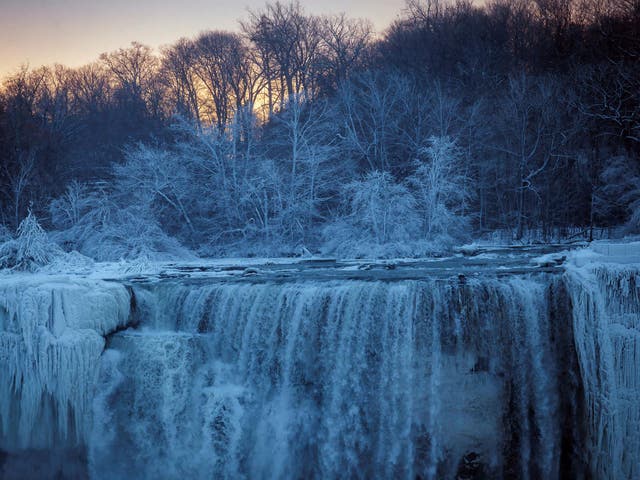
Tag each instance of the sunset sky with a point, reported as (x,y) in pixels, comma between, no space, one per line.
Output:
(75,32)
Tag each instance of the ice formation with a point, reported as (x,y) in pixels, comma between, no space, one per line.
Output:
(606,325)
(51,340)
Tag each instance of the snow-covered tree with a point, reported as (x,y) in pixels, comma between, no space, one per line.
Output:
(380,218)
(19,179)
(303,140)
(153,177)
(31,249)
(67,209)
(219,166)
(440,188)
(262,202)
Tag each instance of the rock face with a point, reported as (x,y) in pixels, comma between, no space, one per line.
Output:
(526,375)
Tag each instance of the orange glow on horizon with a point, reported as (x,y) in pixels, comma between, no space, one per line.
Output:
(75,32)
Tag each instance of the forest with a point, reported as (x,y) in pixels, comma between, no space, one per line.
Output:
(296,134)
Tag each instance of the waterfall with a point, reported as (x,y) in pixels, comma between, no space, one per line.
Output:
(492,375)
(357,379)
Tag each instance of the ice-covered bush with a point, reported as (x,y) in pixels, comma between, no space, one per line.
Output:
(109,231)
(440,189)
(107,225)
(67,209)
(126,233)
(31,249)
(620,192)
(4,234)
(379,219)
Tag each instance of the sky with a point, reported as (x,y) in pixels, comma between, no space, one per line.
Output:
(76,32)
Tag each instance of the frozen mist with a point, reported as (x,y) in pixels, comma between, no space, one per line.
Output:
(404,372)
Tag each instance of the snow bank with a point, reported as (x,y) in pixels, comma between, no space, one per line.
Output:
(51,338)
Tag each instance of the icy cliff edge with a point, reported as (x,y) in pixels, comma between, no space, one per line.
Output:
(52,332)
(604,282)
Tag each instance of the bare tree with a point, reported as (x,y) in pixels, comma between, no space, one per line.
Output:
(90,89)
(610,93)
(221,64)
(373,106)
(289,43)
(135,72)
(179,72)
(345,42)
(529,139)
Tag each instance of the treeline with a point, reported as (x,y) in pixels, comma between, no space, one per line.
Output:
(300,132)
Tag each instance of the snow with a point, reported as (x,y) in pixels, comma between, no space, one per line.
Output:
(610,253)
(628,252)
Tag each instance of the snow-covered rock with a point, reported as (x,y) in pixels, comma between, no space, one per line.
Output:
(626,250)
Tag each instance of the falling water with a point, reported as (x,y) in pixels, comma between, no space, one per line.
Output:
(356,379)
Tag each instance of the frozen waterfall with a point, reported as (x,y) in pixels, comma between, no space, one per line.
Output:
(51,342)
(489,374)
(606,317)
